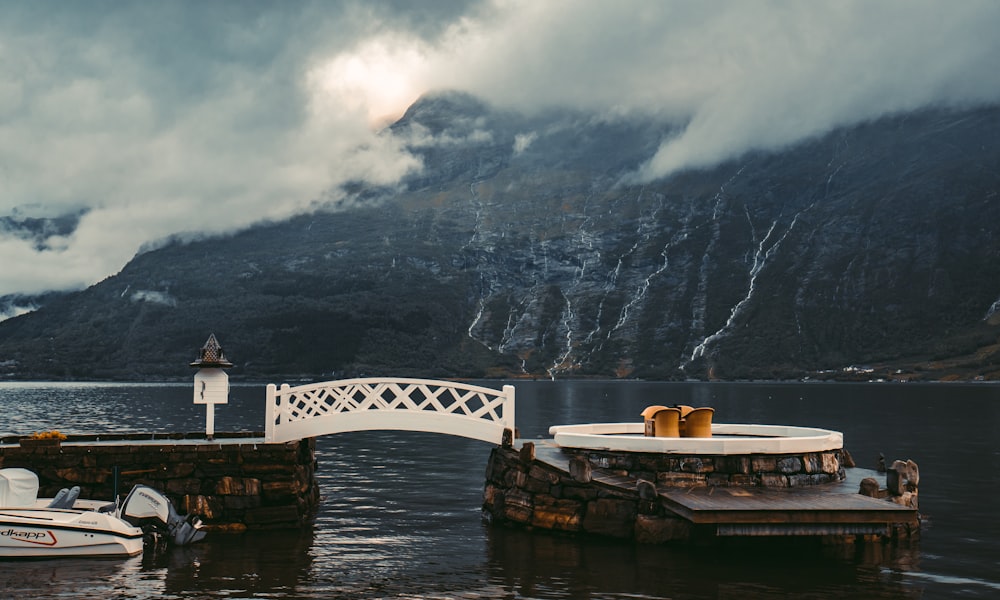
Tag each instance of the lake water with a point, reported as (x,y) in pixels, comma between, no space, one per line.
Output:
(400,515)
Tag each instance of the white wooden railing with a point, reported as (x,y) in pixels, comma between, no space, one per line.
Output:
(446,407)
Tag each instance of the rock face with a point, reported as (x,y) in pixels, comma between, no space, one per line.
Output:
(518,250)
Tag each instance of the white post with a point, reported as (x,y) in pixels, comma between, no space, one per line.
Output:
(211,387)
(508,410)
(269,413)
(209,422)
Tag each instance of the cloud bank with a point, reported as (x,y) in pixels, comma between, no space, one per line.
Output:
(150,119)
(742,75)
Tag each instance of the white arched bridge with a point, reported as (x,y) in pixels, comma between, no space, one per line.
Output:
(446,407)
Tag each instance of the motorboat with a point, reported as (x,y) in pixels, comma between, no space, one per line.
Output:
(66,525)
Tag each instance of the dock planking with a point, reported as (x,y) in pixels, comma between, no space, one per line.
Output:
(791,506)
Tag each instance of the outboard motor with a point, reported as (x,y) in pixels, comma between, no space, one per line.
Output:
(144,506)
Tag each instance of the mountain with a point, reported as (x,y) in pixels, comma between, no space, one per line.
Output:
(872,251)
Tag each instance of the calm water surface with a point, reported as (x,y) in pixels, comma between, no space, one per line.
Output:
(400,513)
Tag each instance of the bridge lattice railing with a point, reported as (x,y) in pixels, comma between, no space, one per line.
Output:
(445,407)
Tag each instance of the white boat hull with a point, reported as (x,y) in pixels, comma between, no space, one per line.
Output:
(45,532)
(32,527)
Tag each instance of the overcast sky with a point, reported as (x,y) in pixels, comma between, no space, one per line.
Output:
(158,118)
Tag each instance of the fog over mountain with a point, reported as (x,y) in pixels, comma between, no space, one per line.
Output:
(128,125)
(525,246)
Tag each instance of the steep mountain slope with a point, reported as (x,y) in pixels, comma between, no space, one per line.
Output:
(518,251)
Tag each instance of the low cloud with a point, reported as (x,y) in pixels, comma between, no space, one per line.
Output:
(153,297)
(150,119)
(741,75)
(418,136)
(14,310)
(522,141)
(124,116)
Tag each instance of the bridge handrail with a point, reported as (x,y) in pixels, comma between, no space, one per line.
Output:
(362,404)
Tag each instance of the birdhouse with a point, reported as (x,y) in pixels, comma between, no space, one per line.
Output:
(211,383)
(212,355)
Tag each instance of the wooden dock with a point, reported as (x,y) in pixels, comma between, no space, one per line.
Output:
(828,509)
(816,510)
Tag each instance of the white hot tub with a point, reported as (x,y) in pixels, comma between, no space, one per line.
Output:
(727,439)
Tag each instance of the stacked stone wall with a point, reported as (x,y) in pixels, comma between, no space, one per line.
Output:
(233,485)
(754,470)
(522,491)
(902,480)
(616,494)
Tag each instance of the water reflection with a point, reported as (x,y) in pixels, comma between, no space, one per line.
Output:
(94,577)
(400,516)
(273,563)
(542,565)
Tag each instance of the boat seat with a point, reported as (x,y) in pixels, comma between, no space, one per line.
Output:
(66,498)
(698,423)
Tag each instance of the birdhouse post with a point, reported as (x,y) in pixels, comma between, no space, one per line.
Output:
(211,383)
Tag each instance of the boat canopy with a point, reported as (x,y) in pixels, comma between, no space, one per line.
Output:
(18,488)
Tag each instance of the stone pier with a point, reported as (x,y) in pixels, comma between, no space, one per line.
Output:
(658,498)
(234,482)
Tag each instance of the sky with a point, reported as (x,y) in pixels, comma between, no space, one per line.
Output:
(138,121)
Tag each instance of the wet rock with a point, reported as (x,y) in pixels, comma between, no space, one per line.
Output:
(773,480)
(614,518)
(789,465)
(542,474)
(518,506)
(203,506)
(579,492)
(527,453)
(238,486)
(658,530)
(902,477)
(695,464)
(558,514)
(646,490)
(580,470)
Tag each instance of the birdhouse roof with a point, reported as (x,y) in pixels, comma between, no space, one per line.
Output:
(212,355)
